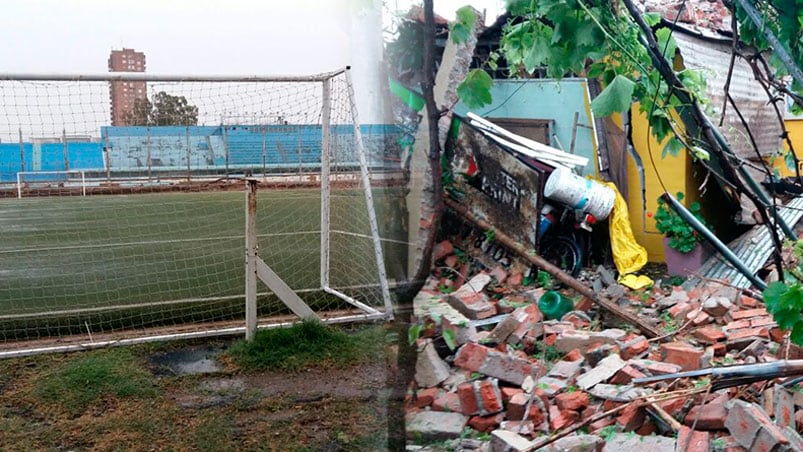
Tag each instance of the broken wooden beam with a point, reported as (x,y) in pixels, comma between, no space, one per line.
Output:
(629,317)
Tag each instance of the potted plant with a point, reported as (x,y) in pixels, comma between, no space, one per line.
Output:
(682,244)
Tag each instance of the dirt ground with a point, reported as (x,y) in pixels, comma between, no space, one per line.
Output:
(207,403)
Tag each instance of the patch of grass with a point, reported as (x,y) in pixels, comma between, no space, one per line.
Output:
(214,433)
(307,343)
(78,383)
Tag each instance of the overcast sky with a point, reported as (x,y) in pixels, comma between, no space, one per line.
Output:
(182,36)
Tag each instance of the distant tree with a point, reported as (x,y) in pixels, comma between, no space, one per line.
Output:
(165,110)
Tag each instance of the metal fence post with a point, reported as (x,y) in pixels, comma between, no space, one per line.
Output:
(65,150)
(22,153)
(250,259)
(148,146)
(189,167)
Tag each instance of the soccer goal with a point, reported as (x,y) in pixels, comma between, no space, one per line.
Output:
(33,181)
(124,217)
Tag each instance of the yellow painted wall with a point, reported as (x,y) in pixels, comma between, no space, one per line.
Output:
(642,201)
(795,128)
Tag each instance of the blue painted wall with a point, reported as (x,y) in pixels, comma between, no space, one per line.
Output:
(208,148)
(546,99)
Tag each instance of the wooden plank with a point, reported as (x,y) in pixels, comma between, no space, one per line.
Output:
(629,317)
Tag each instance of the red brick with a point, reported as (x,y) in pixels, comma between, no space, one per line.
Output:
(709,334)
(672,406)
(517,405)
(600,424)
(515,279)
(575,320)
(508,393)
(442,250)
(575,401)
(682,354)
(449,402)
(701,318)
(486,423)
(588,412)
(711,416)
(777,334)
(799,420)
(626,375)
(749,302)
(679,311)
(559,419)
(647,428)
(471,356)
(584,304)
(573,355)
(761,321)
(720,349)
(500,274)
(697,440)
(608,405)
(737,325)
(656,367)
(745,314)
(630,418)
(451,261)
(489,395)
(748,332)
(634,347)
(523,428)
(425,397)
(468,401)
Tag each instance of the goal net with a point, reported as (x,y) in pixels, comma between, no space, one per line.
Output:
(74,182)
(128,222)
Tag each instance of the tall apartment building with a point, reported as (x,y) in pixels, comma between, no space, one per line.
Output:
(124,93)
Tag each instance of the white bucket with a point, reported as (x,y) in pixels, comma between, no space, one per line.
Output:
(579,193)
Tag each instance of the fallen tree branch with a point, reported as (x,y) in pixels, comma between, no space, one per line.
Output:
(647,329)
(648,400)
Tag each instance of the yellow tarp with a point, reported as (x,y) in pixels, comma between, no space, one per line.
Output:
(628,255)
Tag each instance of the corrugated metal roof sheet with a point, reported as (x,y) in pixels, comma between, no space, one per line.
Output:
(753,249)
(714,59)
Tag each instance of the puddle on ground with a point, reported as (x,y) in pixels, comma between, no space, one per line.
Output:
(189,361)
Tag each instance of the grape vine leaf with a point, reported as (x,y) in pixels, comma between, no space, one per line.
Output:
(460,30)
(616,97)
(475,91)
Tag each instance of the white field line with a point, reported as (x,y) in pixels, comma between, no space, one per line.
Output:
(77,311)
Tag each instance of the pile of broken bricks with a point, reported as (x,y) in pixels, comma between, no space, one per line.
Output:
(493,374)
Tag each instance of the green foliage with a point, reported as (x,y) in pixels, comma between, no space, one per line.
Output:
(460,30)
(597,39)
(165,110)
(682,237)
(450,338)
(304,344)
(78,383)
(785,302)
(607,433)
(490,235)
(406,53)
(544,279)
(615,98)
(414,332)
(475,90)
(547,352)
(670,324)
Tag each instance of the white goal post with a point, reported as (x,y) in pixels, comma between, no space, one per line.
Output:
(134,228)
(27,179)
